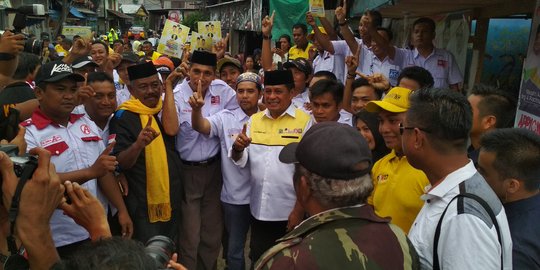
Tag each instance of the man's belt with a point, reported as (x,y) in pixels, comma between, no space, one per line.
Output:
(202,163)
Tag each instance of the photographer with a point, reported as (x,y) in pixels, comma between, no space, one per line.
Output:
(39,197)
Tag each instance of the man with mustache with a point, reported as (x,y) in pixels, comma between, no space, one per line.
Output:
(200,155)
(76,148)
(145,152)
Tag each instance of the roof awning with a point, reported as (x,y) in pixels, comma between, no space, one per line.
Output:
(86,11)
(119,14)
(76,13)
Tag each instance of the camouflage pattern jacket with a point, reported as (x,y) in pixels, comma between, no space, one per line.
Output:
(343,238)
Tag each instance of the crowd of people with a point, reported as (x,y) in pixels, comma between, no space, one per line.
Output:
(332,152)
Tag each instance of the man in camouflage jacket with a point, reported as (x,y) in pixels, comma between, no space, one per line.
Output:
(332,183)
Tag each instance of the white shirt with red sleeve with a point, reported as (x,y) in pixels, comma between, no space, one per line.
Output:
(72,148)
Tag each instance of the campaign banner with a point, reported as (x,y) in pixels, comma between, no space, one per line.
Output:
(210,33)
(72,30)
(316,7)
(173,38)
(528,111)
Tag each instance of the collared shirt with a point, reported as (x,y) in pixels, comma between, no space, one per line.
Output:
(397,187)
(341,49)
(277,58)
(301,100)
(73,147)
(466,240)
(226,125)
(441,64)
(295,52)
(342,238)
(192,145)
(272,191)
(390,68)
(329,62)
(345,117)
(523,218)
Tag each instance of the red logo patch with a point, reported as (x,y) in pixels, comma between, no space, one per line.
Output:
(85,129)
(214,100)
(441,63)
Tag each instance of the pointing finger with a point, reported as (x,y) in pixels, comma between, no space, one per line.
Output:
(244,129)
(109,148)
(149,123)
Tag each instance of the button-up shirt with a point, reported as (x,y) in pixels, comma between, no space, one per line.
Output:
(441,64)
(466,240)
(192,145)
(73,147)
(330,62)
(341,49)
(226,125)
(390,68)
(272,192)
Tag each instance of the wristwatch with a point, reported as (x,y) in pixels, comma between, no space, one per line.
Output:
(6,56)
(343,23)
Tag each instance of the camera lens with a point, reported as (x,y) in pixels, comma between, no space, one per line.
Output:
(160,248)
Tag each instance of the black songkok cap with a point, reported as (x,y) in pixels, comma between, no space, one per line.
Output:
(140,71)
(278,77)
(204,58)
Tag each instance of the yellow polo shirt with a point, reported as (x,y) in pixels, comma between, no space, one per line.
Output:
(295,52)
(397,190)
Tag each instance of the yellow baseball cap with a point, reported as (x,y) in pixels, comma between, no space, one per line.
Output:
(396,101)
(310,36)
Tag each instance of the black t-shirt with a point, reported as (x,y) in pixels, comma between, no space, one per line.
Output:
(16,93)
(127,126)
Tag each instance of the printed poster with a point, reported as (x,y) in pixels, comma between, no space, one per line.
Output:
(528,111)
(200,42)
(173,38)
(210,32)
(316,7)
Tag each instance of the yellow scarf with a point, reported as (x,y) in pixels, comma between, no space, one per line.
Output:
(157,170)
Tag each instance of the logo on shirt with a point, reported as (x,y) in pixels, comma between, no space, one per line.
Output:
(50,141)
(442,63)
(85,129)
(381,178)
(290,131)
(393,74)
(214,100)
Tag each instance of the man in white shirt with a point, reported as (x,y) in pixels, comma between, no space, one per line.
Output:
(201,222)
(226,125)
(273,200)
(439,62)
(452,232)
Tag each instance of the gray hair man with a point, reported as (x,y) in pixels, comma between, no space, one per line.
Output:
(332,184)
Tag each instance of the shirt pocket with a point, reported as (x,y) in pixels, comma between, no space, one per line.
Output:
(57,148)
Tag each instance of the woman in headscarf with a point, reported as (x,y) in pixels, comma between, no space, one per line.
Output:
(368,125)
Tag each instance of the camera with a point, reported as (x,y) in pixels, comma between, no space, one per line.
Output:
(31,45)
(160,248)
(20,163)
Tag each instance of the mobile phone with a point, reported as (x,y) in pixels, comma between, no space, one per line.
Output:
(278,44)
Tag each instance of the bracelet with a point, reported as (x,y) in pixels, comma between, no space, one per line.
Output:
(267,37)
(345,22)
(351,75)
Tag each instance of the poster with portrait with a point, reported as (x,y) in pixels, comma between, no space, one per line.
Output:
(172,39)
(211,32)
(200,42)
(316,7)
(528,111)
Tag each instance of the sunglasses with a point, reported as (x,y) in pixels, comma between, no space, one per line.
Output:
(402,129)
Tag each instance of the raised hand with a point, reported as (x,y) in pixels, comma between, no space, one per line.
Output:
(221,47)
(105,162)
(81,47)
(341,12)
(310,20)
(85,92)
(147,134)
(196,101)
(242,141)
(352,61)
(267,24)
(11,43)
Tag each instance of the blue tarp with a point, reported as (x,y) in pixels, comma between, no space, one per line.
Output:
(75,12)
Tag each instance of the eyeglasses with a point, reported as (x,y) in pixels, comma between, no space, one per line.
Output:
(402,128)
